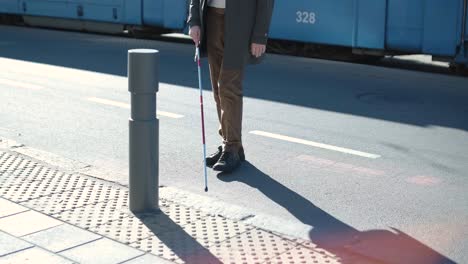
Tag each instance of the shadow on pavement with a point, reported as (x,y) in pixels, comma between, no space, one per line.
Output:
(184,246)
(415,98)
(333,235)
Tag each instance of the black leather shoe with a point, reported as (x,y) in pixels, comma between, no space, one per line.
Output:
(228,162)
(213,158)
(241,154)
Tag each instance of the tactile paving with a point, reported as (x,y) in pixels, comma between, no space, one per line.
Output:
(95,192)
(156,247)
(98,214)
(229,256)
(128,229)
(12,167)
(92,215)
(133,228)
(182,215)
(178,233)
(303,242)
(3,156)
(350,258)
(28,174)
(305,255)
(251,247)
(216,229)
(7,179)
(257,245)
(22,164)
(7,160)
(36,189)
(11,162)
(177,246)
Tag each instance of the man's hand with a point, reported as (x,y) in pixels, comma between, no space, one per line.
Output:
(258,49)
(195,34)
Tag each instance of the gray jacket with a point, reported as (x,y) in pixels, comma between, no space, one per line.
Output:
(246,22)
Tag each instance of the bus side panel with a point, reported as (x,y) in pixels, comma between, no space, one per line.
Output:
(351,23)
(441,27)
(371,24)
(153,12)
(322,21)
(424,26)
(48,8)
(100,10)
(102,13)
(405,25)
(9,6)
(175,13)
(170,14)
(466,25)
(133,12)
(112,11)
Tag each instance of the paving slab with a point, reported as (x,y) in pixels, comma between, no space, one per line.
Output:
(33,256)
(102,251)
(147,259)
(10,208)
(27,223)
(61,237)
(10,244)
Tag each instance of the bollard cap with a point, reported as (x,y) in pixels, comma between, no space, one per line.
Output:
(143,70)
(143,51)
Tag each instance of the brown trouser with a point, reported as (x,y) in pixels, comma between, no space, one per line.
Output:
(226,84)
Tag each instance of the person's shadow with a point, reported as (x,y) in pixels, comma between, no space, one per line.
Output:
(333,235)
(183,246)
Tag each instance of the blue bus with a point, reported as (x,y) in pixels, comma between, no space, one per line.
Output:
(376,27)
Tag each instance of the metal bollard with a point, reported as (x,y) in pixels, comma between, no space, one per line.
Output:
(143,84)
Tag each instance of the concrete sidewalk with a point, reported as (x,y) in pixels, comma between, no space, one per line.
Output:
(49,215)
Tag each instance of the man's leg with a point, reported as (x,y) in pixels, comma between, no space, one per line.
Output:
(231,97)
(230,93)
(227,90)
(215,45)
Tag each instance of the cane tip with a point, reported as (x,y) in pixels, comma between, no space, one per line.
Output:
(206,189)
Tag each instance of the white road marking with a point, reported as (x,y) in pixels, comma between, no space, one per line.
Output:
(315,144)
(168,114)
(109,102)
(127,106)
(20,84)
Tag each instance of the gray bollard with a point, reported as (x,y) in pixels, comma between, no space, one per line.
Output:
(143,83)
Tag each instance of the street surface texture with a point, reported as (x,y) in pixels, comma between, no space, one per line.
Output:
(52,216)
(337,153)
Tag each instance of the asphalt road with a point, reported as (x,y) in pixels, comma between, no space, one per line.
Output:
(349,150)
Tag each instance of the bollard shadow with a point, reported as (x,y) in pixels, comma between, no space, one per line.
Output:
(333,235)
(183,247)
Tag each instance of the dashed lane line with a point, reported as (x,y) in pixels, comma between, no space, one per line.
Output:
(22,85)
(315,144)
(256,132)
(127,106)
